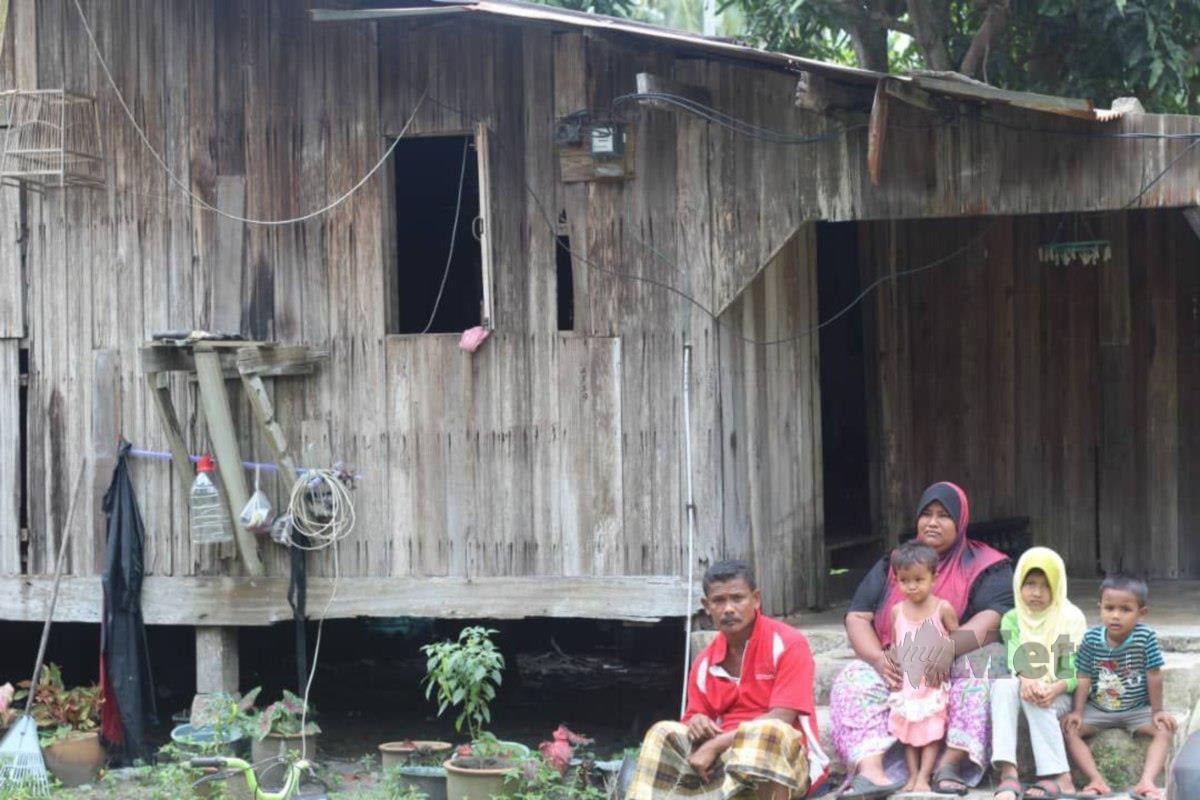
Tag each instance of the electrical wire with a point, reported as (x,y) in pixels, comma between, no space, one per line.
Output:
(199,201)
(325,525)
(734,124)
(462,174)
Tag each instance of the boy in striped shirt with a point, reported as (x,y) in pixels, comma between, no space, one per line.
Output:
(1120,686)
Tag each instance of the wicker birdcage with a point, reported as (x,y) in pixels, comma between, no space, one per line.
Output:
(52,140)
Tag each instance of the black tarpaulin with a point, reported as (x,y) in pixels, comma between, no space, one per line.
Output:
(125,658)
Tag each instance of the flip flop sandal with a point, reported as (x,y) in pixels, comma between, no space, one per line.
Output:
(1141,796)
(1010,785)
(1049,789)
(863,788)
(949,773)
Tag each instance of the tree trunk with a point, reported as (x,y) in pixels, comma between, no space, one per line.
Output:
(993,22)
(931,24)
(870,46)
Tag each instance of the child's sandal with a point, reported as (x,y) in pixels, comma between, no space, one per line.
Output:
(1048,789)
(1011,785)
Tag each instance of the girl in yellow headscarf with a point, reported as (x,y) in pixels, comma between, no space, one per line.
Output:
(1042,633)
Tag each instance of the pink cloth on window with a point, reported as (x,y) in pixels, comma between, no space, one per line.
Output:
(472,338)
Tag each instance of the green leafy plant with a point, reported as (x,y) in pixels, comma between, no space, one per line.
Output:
(218,723)
(487,746)
(395,786)
(464,674)
(422,755)
(170,779)
(284,717)
(60,712)
(538,779)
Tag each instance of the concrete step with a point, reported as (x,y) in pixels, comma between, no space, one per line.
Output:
(1118,755)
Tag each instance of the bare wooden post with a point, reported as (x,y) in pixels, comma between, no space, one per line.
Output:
(224,441)
(216,660)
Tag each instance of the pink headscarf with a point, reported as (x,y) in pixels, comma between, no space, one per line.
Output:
(957,569)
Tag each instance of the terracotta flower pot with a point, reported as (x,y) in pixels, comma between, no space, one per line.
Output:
(398,754)
(76,759)
(481,778)
(476,778)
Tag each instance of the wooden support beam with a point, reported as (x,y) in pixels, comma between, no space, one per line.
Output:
(160,392)
(263,601)
(216,659)
(270,362)
(224,440)
(877,132)
(264,413)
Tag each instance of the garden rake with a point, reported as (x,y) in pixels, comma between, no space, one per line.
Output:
(21,762)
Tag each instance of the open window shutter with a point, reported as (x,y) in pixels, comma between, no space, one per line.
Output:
(483,151)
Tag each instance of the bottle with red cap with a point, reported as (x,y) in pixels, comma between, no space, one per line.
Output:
(209,522)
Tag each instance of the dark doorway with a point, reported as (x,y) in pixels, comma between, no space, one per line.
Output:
(848,538)
(439,258)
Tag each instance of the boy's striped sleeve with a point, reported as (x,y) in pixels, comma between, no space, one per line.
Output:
(1154,656)
(1085,656)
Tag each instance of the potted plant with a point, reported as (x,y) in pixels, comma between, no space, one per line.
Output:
(559,772)
(68,722)
(280,727)
(414,752)
(218,725)
(464,674)
(416,766)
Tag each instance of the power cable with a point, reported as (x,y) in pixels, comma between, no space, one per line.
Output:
(453,236)
(197,199)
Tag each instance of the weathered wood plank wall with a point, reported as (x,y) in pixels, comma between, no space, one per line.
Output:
(548,453)
(1057,393)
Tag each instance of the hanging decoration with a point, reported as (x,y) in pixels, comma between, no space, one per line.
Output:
(1082,250)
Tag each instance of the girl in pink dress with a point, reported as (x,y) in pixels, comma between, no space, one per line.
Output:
(921,624)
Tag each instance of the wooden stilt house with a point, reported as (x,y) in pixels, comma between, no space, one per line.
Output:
(615,203)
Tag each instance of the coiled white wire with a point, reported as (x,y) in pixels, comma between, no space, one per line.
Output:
(336,520)
(323,531)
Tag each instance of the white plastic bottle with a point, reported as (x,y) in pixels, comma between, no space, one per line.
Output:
(210,523)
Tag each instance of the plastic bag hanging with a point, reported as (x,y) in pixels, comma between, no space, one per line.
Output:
(256,514)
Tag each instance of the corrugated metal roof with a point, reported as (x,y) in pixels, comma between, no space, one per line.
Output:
(947,84)
(534,12)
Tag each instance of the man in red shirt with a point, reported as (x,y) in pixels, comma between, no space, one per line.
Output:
(750,724)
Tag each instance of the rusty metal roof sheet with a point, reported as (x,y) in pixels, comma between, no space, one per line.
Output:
(537,13)
(948,84)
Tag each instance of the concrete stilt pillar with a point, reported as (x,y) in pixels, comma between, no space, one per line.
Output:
(216,660)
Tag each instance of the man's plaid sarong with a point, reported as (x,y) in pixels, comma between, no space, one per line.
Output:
(762,750)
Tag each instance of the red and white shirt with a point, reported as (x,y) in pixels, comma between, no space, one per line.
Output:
(777,672)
